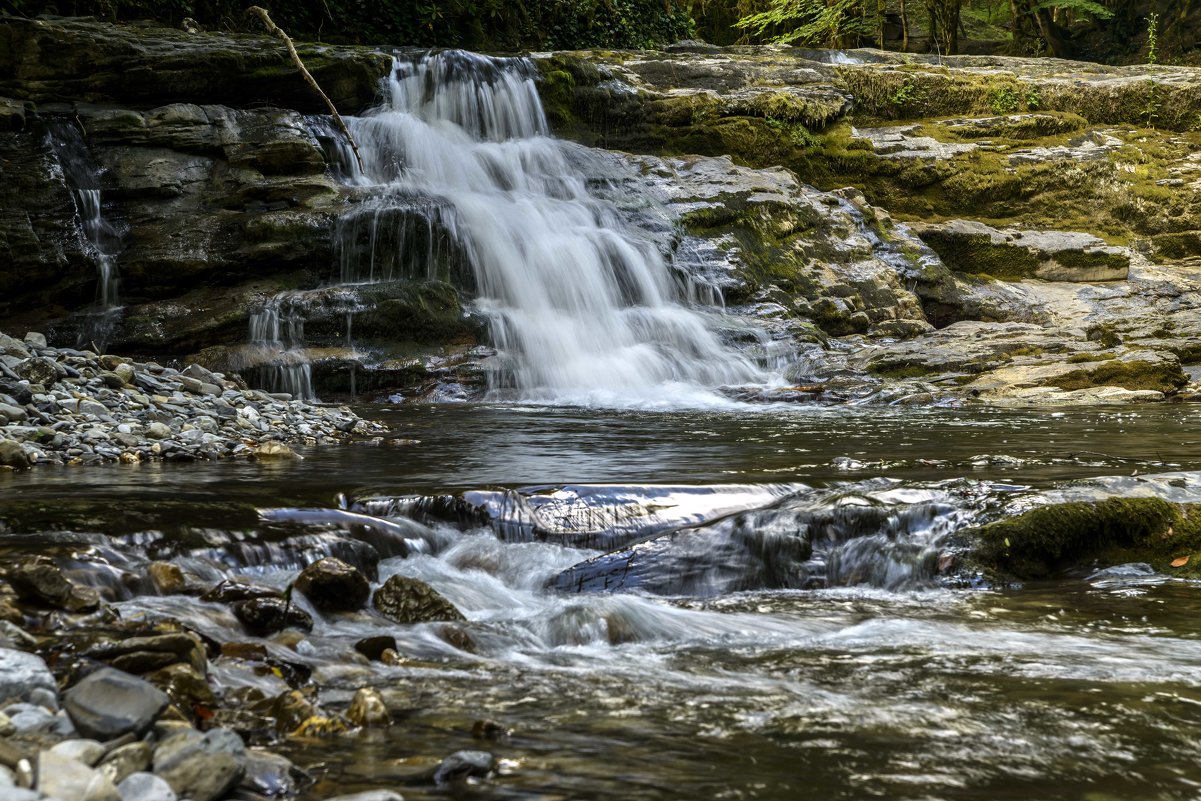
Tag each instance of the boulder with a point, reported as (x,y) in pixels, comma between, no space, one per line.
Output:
(38,580)
(331,585)
(264,616)
(408,600)
(110,703)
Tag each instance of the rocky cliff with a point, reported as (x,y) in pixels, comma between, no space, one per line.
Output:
(976,227)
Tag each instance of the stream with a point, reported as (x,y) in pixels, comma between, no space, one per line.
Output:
(780,627)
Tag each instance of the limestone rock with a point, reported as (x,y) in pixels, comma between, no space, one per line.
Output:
(1013,254)
(331,585)
(409,600)
(109,703)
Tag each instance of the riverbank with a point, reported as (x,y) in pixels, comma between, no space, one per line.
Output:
(77,407)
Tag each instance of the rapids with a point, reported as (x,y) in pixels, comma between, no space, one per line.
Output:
(782,631)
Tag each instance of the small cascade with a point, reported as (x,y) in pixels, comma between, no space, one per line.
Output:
(276,353)
(464,184)
(103,239)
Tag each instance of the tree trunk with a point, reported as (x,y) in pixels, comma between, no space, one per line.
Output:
(904,28)
(944,25)
(1053,35)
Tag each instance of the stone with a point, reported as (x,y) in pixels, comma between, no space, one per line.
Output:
(408,600)
(39,580)
(13,455)
(125,372)
(166,578)
(464,765)
(145,787)
(62,777)
(13,347)
(201,767)
(21,674)
(231,591)
(89,752)
(110,703)
(374,647)
(264,616)
(12,414)
(275,450)
(332,585)
(122,762)
(370,795)
(269,774)
(367,709)
(39,370)
(157,430)
(35,340)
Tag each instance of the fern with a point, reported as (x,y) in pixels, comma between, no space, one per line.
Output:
(810,21)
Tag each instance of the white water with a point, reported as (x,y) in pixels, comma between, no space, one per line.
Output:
(581,307)
(277,342)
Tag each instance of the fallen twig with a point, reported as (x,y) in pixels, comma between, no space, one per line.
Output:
(275,30)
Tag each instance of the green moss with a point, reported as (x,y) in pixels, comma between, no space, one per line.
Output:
(1132,374)
(1051,539)
(978,255)
(1080,358)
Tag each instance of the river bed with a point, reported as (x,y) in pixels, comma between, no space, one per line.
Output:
(869,678)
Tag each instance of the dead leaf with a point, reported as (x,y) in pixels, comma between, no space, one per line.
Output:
(1181,562)
(1171,532)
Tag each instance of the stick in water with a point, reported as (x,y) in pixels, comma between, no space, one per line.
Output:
(274,29)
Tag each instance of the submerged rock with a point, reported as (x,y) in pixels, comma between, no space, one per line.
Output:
(465,765)
(367,708)
(264,616)
(408,600)
(38,580)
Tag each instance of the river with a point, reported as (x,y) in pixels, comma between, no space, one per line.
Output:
(866,674)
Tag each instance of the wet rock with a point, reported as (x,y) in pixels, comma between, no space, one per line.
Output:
(22,674)
(370,795)
(13,455)
(166,578)
(264,616)
(367,708)
(374,647)
(145,787)
(187,688)
(202,767)
(144,654)
(60,776)
(269,774)
(276,450)
(1051,539)
(231,591)
(465,765)
(408,600)
(489,730)
(331,585)
(39,580)
(110,703)
(122,762)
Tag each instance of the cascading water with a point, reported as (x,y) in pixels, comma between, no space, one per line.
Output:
(101,236)
(277,342)
(581,305)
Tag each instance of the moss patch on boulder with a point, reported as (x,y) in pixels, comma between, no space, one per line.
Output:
(1051,539)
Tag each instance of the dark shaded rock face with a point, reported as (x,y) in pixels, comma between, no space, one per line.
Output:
(333,586)
(78,60)
(407,600)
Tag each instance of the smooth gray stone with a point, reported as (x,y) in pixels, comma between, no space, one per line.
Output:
(21,673)
(201,767)
(145,787)
(110,703)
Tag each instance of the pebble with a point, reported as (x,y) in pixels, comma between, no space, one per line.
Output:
(153,409)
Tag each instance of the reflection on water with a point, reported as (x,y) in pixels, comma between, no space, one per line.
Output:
(844,670)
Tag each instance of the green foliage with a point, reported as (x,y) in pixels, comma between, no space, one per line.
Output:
(829,23)
(905,94)
(1152,38)
(489,25)
(1004,100)
(1081,8)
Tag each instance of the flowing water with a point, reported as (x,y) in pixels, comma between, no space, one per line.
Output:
(778,626)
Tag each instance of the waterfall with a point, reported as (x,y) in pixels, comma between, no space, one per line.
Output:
(280,363)
(102,238)
(470,186)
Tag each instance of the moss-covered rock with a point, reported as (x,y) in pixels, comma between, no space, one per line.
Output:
(1051,539)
